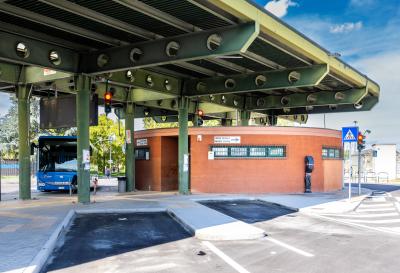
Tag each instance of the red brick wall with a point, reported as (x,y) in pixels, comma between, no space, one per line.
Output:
(169,163)
(332,174)
(148,172)
(262,175)
(241,175)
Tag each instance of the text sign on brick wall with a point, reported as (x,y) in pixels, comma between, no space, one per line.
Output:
(227,140)
(141,142)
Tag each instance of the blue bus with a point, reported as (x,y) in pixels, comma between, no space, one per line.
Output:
(57,163)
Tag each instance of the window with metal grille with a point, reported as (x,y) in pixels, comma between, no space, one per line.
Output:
(331,153)
(248,151)
(142,153)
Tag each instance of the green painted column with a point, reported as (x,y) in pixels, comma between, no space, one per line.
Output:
(195,120)
(226,122)
(183,149)
(24,155)
(130,147)
(82,124)
(244,118)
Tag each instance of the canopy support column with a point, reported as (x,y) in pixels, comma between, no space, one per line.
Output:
(130,146)
(24,147)
(244,118)
(183,154)
(82,123)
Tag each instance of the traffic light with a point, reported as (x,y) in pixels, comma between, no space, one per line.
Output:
(360,141)
(107,102)
(200,115)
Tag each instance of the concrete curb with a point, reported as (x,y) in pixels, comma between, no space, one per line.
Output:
(92,211)
(40,259)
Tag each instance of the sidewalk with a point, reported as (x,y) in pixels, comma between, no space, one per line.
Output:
(26,226)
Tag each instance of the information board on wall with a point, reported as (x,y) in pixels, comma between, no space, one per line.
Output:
(141,142)
(227,140)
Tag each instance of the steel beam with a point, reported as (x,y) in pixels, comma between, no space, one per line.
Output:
(82,124)
(101,18)
(186,47)
(230,101)
(40,36)
(183,147)
(47,21)
(18,74)
(140,78)
(260,81)
(130,147)
(10,73)
(366,104)
(37,53)
(23,142)
(321,98)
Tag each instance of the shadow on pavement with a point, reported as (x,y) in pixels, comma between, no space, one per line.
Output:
(248,211)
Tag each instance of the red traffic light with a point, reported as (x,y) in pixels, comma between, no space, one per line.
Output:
(200,113)
(108,96)
(360,139)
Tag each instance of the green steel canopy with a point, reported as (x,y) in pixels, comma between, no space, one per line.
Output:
(224,55)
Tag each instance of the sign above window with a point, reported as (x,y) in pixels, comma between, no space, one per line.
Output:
(227,139)
(141,142)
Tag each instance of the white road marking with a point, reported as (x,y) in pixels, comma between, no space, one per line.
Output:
(377,199)
(385,221)
(341,221)
(372,206)
(292,248)
(389,214)
(397,204)
(375,210)
(225,257)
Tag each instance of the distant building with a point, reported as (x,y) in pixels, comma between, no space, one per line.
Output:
(381,160)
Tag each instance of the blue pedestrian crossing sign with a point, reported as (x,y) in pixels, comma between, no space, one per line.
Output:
(349,134)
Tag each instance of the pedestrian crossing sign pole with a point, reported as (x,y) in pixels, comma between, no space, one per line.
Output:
(349,136)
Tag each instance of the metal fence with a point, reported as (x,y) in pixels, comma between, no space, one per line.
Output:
(10,167)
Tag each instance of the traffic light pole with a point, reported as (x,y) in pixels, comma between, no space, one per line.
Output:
(359,172)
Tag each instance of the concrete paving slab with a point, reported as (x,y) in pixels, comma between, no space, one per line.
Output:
(209,224)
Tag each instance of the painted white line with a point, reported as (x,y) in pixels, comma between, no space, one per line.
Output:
(375,210)
(397,204)
(225,257)
(386,221)
(377,199)
(353,224)
(376,215)
(292,248)
(372,206)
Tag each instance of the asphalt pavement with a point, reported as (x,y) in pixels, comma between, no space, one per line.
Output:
(304,242)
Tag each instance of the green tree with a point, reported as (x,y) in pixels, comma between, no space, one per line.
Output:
(9,126)
(99,139)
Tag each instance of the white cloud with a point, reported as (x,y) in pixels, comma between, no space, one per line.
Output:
(361,3)
(279,8)
(346,27)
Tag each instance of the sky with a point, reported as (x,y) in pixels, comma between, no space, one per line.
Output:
(367,35)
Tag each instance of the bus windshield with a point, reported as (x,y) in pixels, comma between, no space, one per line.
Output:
(57,155)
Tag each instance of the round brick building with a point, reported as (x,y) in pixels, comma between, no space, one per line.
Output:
(240,159)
